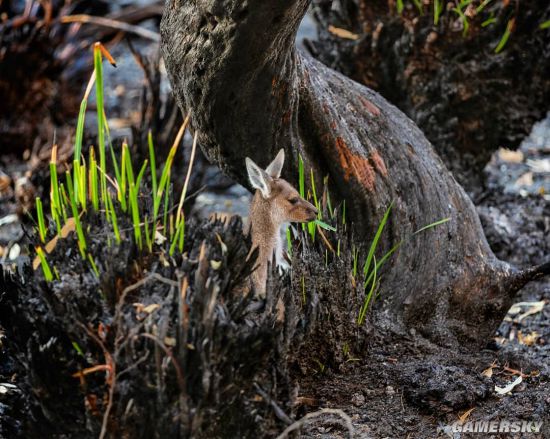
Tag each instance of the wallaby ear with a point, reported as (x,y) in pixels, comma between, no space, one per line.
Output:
(259,179)
(276,166)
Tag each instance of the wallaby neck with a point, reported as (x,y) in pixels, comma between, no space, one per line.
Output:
(263,228)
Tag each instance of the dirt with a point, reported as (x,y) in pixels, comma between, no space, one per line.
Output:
(216,364)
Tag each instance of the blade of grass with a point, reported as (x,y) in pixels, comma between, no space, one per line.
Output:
(432,225)
(114,220)
(44,264)
(505,36)
(374,243)
(98,66)
(365,307)
(93,182)
(55,203)
(77,223)
(164,178)
(42,231)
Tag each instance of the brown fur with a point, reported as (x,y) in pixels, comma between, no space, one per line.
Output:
(266,217)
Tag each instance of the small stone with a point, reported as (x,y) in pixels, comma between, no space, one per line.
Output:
(358,399)
(390,391)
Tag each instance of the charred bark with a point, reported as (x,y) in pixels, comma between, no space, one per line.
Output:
(466,98)
(234,66)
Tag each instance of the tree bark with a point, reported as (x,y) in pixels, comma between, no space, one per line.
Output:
(234,66)
(467,99)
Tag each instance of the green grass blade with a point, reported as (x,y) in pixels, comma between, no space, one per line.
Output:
(98,65)
(368,298)
(134,207)
(545,25)
(434,224)
(80,130)
(374,243)
(78,224)
(324,225)
(44,264)
(92,178)
(505,36)
(399,6)
(42,231)
(114,219)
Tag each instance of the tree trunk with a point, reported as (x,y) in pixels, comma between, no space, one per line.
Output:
(467,99)
(234,65)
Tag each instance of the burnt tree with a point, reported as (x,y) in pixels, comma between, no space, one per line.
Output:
(468,99)
(235,67)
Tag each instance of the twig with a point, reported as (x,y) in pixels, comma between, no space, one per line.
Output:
(278,411)
(168,352)
(140,283)
(113,24)
(299,423)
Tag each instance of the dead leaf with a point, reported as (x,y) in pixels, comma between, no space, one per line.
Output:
(222,244)
(151,308)
(507,155)
(463,418)
(342,33)
(159,238)
(215,264)
(489,371)
(529,339)
(170,341)
(509,387)
(525,180)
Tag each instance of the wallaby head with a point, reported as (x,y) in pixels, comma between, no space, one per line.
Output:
(275,203)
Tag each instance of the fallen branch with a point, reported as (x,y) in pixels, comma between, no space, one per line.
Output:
(300,422)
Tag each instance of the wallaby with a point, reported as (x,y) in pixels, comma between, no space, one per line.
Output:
(275,203)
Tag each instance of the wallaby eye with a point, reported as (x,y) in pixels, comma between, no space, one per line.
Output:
(293,200)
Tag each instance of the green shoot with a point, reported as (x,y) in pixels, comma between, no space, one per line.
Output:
(42,231)
(98,66)
(488,22)
(463,18)
(178,237)
(94,266)
(505,36)
(418,4)
(55,203)
(374,243)
(77,223)
(438,8)
(77,348)
(355,256)
(344,213)
(368,297)
(324,225)
(399,6)
(92,178)
(44,264)
(432,225)
(289,241)
(133,194)
(482,6)
(148,238)
(114,220)
(545,25)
